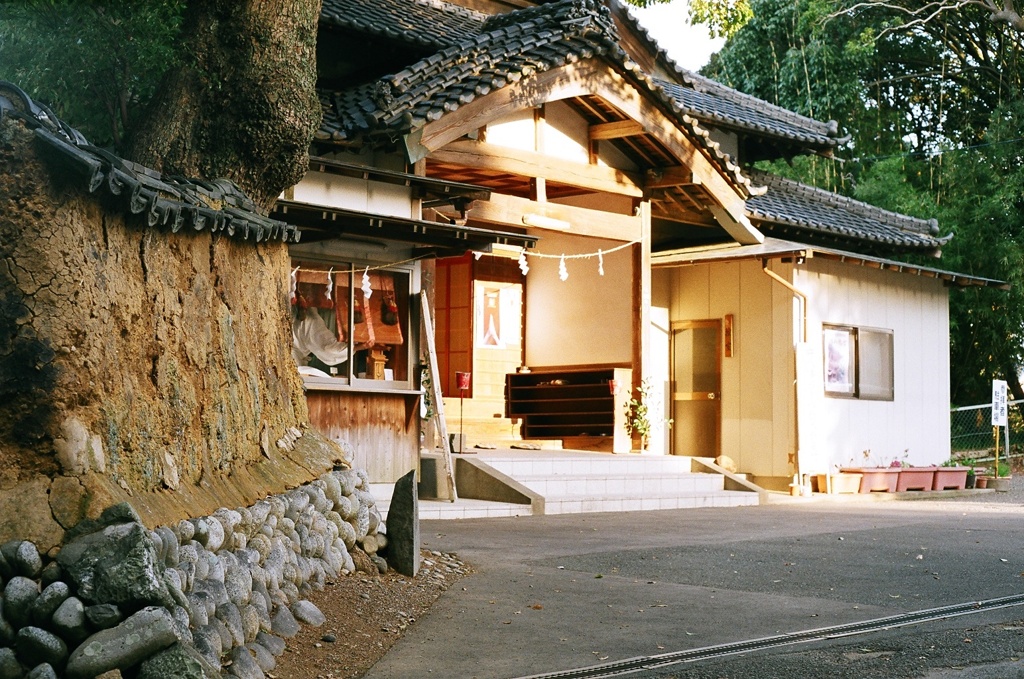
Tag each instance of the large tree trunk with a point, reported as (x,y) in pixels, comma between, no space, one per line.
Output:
(243,103)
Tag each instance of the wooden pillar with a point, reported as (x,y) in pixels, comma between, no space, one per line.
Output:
(642,298)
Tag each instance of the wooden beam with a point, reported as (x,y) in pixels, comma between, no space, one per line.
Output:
(668,177)
(593,77)
(615,130)
(580,221)
(537,165)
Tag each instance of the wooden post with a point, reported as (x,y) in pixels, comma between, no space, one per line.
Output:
(435,386)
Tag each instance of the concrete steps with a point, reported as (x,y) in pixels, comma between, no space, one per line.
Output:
(563,482)
(574,482)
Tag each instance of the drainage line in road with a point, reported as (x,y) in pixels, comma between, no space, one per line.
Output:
(630,665)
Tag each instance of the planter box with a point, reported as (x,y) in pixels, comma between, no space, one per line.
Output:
(847,482)
(916,478)
(1000,484)
(950,478)
(876,479)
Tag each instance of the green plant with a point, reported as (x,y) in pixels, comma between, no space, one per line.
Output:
(638,413)
(1003,469)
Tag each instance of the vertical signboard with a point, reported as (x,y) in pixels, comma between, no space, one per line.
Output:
(998,403)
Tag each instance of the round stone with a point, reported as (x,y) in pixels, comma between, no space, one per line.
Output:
(48,601)
(19,595)
(35,646)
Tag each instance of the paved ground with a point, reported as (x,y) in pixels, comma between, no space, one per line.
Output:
(561,592)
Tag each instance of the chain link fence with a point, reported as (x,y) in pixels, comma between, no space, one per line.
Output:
(972,436)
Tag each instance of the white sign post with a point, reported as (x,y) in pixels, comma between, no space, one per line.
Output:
(998,403)
(998,414)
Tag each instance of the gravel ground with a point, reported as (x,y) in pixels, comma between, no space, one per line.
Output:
(366,614)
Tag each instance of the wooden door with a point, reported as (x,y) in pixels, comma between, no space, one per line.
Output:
(696,387)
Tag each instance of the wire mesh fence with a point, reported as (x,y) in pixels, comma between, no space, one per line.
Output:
(972,435)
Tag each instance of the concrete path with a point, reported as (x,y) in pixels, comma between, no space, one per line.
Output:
(561,592)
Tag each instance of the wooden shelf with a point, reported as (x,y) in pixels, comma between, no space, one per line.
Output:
(571,403)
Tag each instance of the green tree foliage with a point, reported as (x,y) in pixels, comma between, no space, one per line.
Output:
(94,63)
(722,17)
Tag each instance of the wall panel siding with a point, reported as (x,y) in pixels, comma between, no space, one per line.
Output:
(379,431)
(915,424)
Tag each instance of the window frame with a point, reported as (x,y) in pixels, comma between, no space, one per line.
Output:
(409,322)
(851,354)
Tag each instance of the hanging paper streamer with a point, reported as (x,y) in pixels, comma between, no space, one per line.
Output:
(478,255)
(563,273)
(600,262)
(292,292)
(330,283)
(523,266)
(367,290)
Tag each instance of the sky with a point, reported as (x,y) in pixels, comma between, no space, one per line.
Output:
(689,46)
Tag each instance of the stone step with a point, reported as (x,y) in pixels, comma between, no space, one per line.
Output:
(637,484)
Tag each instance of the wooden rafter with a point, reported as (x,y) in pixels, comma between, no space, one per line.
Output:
(495,158)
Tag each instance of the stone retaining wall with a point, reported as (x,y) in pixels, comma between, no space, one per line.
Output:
(186,600)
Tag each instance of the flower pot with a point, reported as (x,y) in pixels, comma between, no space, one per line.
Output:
(1000,484)
(915,478)
(981,481)
(950,478)
(875,479)
(969,481)
(848,482)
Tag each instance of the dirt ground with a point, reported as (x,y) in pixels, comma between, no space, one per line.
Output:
(366,614)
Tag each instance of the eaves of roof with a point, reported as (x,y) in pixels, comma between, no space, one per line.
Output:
(174,203)
(792,207)
(510,48)
(774,248)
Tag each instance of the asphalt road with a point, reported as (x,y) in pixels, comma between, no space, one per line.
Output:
(555,593)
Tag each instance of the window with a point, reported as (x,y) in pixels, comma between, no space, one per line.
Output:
(858,362)
(341,335)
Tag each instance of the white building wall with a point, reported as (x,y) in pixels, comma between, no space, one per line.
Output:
(914,427)
(585,319)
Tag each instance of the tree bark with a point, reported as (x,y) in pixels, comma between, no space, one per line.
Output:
(243,103)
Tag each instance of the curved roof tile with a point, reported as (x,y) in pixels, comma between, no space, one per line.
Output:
(431,23)
(511,47)
(817,212)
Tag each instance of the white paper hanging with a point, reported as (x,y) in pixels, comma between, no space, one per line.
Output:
(600,262)
(563,273)
(367,290)
(294,288)
(478,255)
(523,266)
(330,283)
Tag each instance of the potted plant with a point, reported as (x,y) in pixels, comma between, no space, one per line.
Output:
(876,479)
(1001,481)
(969,481)
(639,411)
(951,475)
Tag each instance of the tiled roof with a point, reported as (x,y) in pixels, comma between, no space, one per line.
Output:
(714,103)
(817,215)
(172,202)
(509,48)
(430,23)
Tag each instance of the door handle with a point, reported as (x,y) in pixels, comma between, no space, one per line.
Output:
(712,396)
